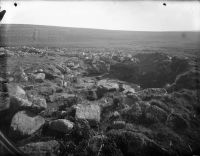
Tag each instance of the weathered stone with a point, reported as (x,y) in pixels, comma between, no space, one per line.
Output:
(25,123)
(61,125)
(49,148)
(89,112)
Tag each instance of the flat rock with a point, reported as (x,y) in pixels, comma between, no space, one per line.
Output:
(25,123)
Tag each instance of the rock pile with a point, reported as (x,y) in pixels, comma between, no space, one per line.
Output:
(102,103)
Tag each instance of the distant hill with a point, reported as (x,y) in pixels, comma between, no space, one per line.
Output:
(51,36)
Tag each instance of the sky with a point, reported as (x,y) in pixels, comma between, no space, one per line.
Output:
(112,15)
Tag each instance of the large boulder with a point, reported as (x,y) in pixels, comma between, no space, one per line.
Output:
(48,148)
(25,123)
(61,125)
(89,112)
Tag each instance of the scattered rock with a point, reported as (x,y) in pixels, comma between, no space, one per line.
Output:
(25,123)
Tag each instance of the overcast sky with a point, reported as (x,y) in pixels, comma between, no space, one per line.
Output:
(114,15)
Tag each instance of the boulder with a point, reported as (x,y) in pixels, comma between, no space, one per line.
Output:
(89,112)
(25,123)
(61,125)
(48,148)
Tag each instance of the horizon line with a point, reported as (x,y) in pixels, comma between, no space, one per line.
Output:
(198,31)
